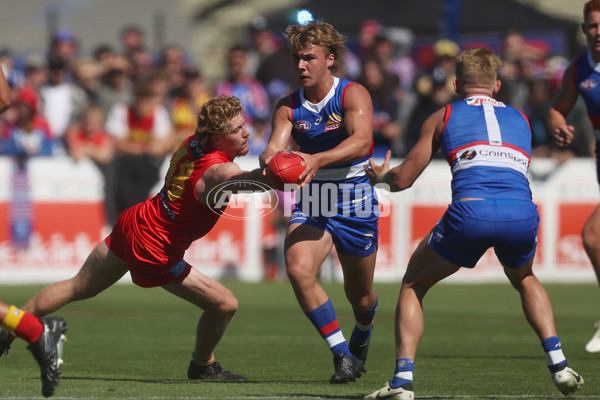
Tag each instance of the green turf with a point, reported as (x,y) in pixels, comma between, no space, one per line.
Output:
(136,343)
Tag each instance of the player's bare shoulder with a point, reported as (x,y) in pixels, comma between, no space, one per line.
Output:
(357,97)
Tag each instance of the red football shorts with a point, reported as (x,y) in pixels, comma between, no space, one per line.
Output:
(148,262)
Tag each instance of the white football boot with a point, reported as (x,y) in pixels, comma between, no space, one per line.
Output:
(567,381)
(593,345)
(389,393)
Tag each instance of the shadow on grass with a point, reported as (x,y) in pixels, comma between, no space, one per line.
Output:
(139,380)
(199,382)
(188,381)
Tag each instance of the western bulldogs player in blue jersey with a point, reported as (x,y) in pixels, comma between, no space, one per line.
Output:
(583,78)
(488,146)
(331,121)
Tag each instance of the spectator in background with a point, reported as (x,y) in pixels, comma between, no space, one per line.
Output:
(445,51)
(391,49)
(14,76)
(64,46)
(89,140)
(245,87)
(173,62)
(161,89)
(63,101)
(103,53)
(187,102)
(143,137)
(116,85)
(132,38)
(29,135)
(263,43)
(366,38)
(432,93)
(514,88)
(141,65)
(269,58)
(382,86)
(433,89)
(86,74)
(36,71)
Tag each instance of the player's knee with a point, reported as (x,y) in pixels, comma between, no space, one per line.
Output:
(298,272)
(361,303)
(228,305)
(590,239)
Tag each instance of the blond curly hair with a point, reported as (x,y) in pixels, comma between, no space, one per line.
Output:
(214,117)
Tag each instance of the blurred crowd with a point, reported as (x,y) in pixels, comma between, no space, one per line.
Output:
(127,108)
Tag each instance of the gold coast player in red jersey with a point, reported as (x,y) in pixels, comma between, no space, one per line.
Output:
(150,238)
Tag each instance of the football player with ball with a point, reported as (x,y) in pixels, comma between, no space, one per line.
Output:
(331,120)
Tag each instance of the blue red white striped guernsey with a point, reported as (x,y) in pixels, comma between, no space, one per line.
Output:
(320,127)
(488,146)
(586,77)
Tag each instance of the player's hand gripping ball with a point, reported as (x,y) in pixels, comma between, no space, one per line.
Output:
(285,168)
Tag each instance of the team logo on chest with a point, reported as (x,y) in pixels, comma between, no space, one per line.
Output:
(588,84)
(333,122)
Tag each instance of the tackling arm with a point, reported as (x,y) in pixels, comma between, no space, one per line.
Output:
(229,172)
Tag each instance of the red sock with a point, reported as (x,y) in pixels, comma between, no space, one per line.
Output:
(30,328)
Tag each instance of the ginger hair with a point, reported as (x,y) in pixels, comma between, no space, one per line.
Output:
(214,117)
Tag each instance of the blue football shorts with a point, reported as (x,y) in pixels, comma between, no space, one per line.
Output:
(468,228)
(349,212)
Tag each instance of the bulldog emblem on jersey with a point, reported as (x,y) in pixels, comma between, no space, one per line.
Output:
(333,122)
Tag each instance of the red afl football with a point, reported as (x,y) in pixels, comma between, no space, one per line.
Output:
(284,168)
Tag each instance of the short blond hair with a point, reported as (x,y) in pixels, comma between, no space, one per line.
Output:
(299,37)
(214,117)
(477,66)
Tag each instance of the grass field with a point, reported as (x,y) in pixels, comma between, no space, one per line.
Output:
(132,343)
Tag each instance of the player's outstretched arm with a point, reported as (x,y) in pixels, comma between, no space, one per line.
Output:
(404,175)
(230,172)
(562,106)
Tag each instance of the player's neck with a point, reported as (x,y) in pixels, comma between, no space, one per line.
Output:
(595,56)
(317,93)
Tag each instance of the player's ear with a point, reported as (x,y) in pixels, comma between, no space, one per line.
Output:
(496,87)
(455,85)
(330,60)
